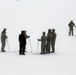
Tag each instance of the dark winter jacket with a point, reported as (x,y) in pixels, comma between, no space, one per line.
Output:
(71,25)
(53,37)
(49,37)
(43,40)
(3,36)
(22,39)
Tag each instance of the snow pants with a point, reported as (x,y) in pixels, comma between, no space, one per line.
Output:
(22,49)
(48,47)
(71,31)
(43,48)
(3,45)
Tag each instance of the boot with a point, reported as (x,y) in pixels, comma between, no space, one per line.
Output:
(3,51)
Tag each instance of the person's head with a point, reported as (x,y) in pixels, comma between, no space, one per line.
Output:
(53,30)
(49,30)
(22,32)
(4,29)
(43,33)
(71,20)
(25,31)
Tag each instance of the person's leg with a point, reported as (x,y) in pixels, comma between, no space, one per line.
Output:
(20,51)
(44,48)
(72,32)
(41,49)
(3,46)
(24,49)
(69,32)
(48,47)
(53,48)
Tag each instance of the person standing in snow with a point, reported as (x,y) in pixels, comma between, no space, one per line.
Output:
(22,40)
(71,26)
(43,43)
(49,39)
(53,40)
(3,39)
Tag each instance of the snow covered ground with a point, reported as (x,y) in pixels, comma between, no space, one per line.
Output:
(37,16)
(63,62)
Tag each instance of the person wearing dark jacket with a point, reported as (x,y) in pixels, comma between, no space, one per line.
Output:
(3,39)
(49,39)
(53,40)
(71,26)
(22,40)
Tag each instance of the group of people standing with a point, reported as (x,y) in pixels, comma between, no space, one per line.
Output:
(48,42)
(22,41)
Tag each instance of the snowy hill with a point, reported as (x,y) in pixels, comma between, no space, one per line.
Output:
(36,16)
(63,62)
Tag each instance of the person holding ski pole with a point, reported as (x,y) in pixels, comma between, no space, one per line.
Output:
(43,43)
(3,39)
(22,40)
(71,26)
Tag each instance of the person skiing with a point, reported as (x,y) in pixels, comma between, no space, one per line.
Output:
(49,38)
(53,40)
(71,26)
(22,40)
(43,43)
(3,39)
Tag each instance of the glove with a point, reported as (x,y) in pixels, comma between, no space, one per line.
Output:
(39,40)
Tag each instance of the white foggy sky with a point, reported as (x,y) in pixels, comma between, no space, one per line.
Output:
(35,16)
(36,11)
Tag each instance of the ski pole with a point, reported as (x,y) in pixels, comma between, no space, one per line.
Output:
(30,45)
(8,45)
(75,30)
(37,46)
(75,27)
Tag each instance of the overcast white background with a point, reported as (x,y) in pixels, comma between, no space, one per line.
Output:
(36,16)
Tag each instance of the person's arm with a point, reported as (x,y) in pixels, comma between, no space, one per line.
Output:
(69,24)
(74,25)
(27,36)
(39,39)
